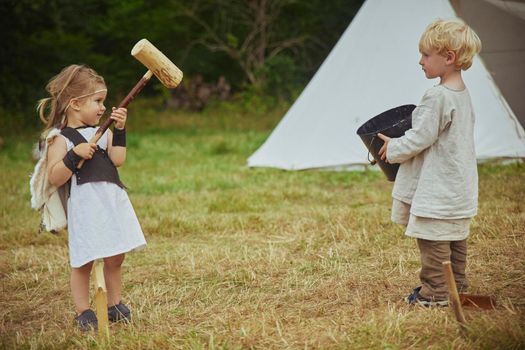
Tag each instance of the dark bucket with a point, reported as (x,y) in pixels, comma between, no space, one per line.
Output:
(392,123)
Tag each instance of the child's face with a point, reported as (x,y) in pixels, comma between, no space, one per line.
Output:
(434,64)
(93,107)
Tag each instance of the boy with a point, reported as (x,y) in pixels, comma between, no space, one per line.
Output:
(436,189)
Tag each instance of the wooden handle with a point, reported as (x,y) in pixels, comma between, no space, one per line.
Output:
(453,292)
(125,102)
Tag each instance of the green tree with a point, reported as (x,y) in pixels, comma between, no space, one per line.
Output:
(269,43)
(254,32)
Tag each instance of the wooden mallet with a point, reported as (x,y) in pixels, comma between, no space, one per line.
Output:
(158,64)
(169,75)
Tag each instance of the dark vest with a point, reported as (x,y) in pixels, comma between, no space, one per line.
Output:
(98,168)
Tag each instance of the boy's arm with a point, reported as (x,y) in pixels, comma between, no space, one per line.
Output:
(427,123)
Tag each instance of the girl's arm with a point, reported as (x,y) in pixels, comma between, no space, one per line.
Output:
(117,140)
(57,157)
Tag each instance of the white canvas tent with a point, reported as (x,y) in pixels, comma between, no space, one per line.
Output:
(374,67)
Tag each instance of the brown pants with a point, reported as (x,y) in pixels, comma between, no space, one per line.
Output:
(433,253)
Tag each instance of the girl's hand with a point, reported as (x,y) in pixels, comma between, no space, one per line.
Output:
(382,151)
(119,115)
(85,150)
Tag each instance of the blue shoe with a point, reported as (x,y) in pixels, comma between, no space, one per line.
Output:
(119,313)
(416,299)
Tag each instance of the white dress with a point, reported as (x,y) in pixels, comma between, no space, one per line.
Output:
(101,219)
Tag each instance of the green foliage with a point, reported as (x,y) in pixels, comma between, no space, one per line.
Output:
(41,37)
(282,76)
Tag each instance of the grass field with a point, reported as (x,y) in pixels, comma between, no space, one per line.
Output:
(256,258)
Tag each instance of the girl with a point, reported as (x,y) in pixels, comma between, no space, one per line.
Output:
(101,219)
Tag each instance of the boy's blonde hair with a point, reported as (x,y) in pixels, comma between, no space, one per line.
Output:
(452,35)
(73,82)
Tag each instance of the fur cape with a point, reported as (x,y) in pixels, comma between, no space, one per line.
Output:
(45,197)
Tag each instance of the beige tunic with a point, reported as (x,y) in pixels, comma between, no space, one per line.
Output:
(438,173)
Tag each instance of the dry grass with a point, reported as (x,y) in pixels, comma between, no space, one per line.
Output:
(258,258)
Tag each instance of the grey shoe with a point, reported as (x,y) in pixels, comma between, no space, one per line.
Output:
(87,321)
(119,313)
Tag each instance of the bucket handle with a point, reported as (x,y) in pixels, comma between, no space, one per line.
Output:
(373,161)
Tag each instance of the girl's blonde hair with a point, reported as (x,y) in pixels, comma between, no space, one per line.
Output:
(452,35)
(74,81)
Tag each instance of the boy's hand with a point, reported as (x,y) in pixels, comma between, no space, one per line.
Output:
(382,151)
(119,115)
(85,150)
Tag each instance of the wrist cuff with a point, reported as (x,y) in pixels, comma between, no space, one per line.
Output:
(71,160)
(119,137)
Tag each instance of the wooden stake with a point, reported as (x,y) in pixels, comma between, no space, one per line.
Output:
(453,293)
(101,300)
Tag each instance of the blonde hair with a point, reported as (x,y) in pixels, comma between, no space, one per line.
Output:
(73,82)
(452,35)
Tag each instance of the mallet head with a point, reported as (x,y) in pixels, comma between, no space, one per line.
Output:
(157,63)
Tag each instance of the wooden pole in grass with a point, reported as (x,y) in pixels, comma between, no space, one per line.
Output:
(453,293)
(101,299)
